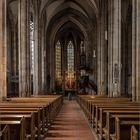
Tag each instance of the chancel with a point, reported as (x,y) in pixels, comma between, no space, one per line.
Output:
(69,69)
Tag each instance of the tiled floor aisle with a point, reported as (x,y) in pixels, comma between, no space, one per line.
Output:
(70,124)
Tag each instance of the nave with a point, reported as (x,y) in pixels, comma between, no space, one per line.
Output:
(53,49)
(50,117)
(70,124)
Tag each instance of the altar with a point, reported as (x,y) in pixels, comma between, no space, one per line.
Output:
(70,83)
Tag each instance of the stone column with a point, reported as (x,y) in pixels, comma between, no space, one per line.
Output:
(64,63)
(24,57)
(77,63)
(45,63)
(99,58)
(14,51)
(3,51)
(52,65)
(36,51)
(43,59)
(43,55)
(114,48)
(135,50)
(63,66)
(101,64)
(39,57)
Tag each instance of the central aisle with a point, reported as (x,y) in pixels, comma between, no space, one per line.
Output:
(70,124)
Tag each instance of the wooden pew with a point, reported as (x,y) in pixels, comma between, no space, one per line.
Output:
(92,107)
(135,133)
(17,128)
(37,120)
(30,106)
(25,106)
(87,103)
(29,122)
(34,99)
(53,103)
(93,112)
(40,114)
(5,132)
(101,111)
(108,125)
(46,96)
(58,97)
(127,108)
(22,110)
(123,127)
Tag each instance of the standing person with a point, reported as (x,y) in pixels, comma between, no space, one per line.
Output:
(69,96)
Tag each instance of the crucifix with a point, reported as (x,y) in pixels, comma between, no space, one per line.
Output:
(70,77)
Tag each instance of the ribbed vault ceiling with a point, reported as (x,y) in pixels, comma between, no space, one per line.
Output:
(88,8)
(83,13)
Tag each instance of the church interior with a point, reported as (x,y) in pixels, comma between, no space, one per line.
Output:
(69,70)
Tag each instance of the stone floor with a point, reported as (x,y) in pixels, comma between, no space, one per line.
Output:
(70,124)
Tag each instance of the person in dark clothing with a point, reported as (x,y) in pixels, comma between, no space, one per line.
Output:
(69,96)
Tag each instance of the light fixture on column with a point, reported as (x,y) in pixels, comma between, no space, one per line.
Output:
(94,54)
(106,37)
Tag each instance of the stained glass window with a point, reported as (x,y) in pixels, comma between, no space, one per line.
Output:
(58,59)
(70,58)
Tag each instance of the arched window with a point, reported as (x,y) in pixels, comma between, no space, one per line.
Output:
(32,44)
(58,59)
(70,60)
